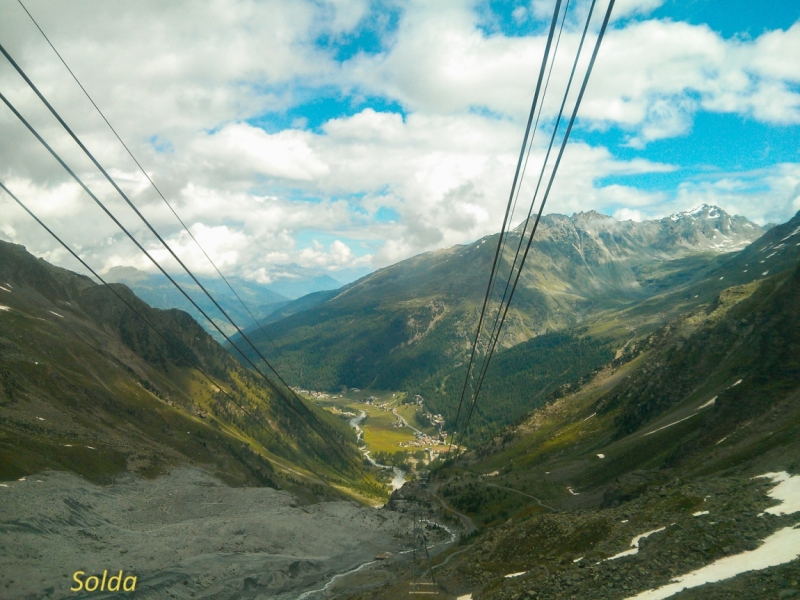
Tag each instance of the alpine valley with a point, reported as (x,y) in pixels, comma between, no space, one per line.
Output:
(671,471)
(638,431)
(590,284)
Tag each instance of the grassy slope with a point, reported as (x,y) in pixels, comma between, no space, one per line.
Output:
(94,375)
(655,470)
(407,324)
(524,377)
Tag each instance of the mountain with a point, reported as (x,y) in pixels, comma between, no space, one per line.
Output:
(261,299)
(405,325)
(294,281)
(524,376)
(87,386)
(295,306)
(673,463)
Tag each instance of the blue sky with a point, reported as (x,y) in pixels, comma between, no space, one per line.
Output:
(734,18)
(345,135)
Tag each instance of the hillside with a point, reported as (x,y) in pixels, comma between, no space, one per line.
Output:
(87,387)
(407,325)
(526,375)
(690,439)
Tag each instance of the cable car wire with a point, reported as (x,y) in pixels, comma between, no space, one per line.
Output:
(495,334)
(155,187)
(545,197)
(147,223)
(193,362)
(77,140)
(507,233)
(553,24)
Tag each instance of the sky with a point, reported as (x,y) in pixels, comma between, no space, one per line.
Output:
(342,136)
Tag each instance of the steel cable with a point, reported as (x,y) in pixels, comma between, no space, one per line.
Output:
(494,336)
(155,187)
(544,199)
(553,24)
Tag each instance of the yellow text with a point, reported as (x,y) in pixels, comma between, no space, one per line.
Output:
(95,583)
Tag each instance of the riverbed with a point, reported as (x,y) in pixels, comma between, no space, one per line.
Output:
(185,535)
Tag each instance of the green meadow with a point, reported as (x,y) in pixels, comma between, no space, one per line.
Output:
(380,434)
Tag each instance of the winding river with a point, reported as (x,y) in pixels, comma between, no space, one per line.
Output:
(399,475)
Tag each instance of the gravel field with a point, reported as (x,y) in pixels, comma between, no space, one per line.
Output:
(184,535)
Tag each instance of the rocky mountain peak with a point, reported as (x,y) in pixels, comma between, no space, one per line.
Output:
(708,227)
(601,238)
(591,215)
(703,211)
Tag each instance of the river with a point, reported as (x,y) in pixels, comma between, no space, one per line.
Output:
(399,475)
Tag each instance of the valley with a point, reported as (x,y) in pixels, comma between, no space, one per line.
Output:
(397,433)
(670,472)
(594,282)
(369,300)
(645,443)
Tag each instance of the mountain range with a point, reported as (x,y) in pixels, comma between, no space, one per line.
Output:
(670,471)
(410,325)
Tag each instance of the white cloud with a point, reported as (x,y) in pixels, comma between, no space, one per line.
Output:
(772,52)
(242,151)
(648,75)
(627,214)
(337,255)
(183,81)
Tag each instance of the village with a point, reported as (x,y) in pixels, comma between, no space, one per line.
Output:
(407,425)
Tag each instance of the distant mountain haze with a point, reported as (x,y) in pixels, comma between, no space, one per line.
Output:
(261,299)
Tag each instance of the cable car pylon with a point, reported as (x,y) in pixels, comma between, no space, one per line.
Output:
(424,582)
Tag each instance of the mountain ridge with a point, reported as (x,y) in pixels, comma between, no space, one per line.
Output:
(87,386)
(417,317)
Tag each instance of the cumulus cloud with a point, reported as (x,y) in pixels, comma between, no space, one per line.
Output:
(652,76)
(337,255)
(185,84)
(241,151)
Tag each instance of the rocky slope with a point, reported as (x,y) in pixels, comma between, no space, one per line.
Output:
(184,535)
(87,386)
(679,460)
